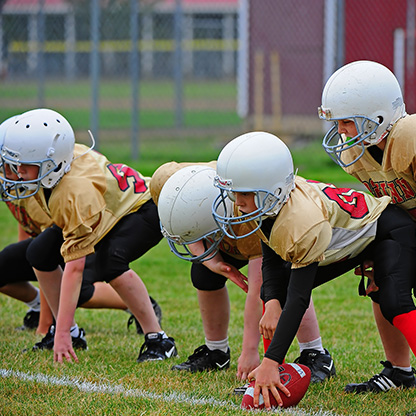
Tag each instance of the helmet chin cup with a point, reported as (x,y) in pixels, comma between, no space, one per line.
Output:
(335,143)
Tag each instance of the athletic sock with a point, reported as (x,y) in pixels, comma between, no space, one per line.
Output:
(406,324)
(408,369)
(221,345)
(316,344)
(34,305)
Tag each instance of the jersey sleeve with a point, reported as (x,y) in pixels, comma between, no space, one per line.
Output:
(401,146)
(78,215)
(302,250)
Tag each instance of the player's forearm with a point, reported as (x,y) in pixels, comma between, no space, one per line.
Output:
(252,315)
(70,289)
(298,300)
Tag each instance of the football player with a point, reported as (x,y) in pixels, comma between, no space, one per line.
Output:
(374,140)
(17,272)
(100,207)
(323,231)
(184,193)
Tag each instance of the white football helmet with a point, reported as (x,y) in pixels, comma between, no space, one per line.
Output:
(255,162)
(367,93)
(40,137)
(185,214)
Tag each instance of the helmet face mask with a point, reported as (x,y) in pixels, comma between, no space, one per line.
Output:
(184,208)
(181,249)
(40,137)
(19,188)
(335,143)
(367,93)
(258,163)
(229,223)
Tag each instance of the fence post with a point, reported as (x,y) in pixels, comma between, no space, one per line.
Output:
(135,77)
(178,66)
(40,56)
(95,68)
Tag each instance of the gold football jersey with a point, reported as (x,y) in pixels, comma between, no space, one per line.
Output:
(395,177)
(91,198)
(243,249)
(325,224)
(30,215)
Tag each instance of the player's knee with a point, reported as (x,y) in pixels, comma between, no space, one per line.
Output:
(42,259)
(204,281)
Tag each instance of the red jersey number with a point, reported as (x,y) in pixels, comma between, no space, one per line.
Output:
(122,173)
(349,200)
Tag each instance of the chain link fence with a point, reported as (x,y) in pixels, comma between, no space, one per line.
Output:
(130,69)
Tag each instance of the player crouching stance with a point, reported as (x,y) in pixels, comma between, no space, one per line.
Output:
(323,231)
(101,207)
(184,194)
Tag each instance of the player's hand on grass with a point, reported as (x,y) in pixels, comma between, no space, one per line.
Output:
(267,379)
(62,350)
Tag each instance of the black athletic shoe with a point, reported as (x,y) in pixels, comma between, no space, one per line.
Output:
(389,378)
(47,341)
(158,312)
(79,342)
(156,347)
(30,321)
(239,391)
(321,364)
(204,359)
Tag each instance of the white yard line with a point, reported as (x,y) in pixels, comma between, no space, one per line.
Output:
(105,388)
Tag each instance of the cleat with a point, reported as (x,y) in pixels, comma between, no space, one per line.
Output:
(389,378)
(157,348)
(321,364)
(47,341)
(30,321)
(158,313)
(240,391)
(79,342)
(204,359)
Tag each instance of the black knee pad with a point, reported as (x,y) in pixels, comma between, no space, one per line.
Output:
(44,253)
(204,279)
(394,271)
(13,264)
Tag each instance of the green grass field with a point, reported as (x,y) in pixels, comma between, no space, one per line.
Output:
(108,381)
(205,103)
